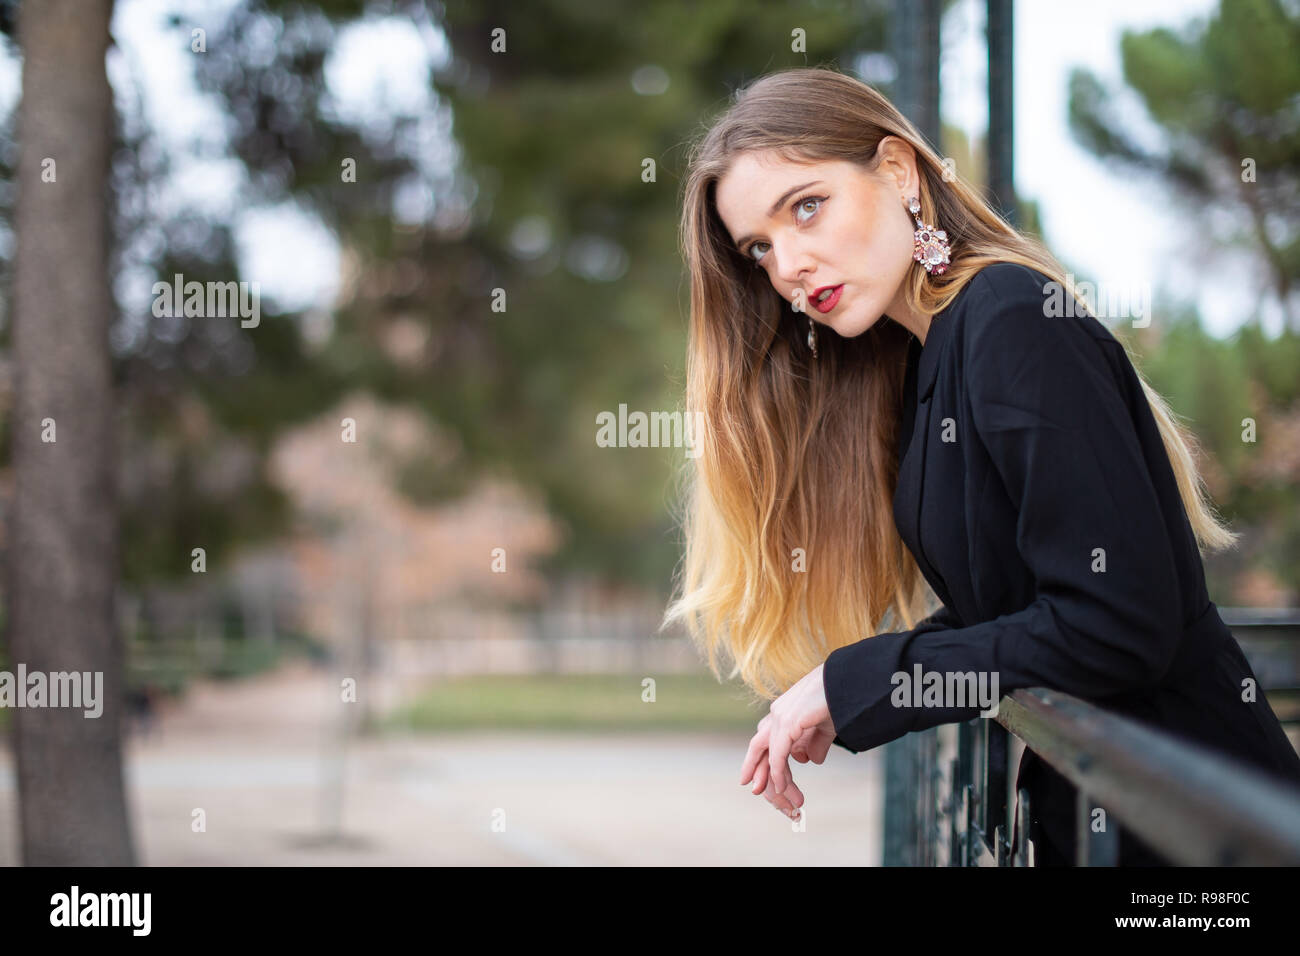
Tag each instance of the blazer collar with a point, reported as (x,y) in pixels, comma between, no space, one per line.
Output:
(927,368)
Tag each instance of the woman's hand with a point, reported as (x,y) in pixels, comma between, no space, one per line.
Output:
(798,724)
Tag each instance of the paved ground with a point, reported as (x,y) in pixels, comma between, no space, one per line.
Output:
(262,760)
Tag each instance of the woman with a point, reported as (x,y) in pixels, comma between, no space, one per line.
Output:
(894,398)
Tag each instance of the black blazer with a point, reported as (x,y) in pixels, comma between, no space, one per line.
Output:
(1035,493)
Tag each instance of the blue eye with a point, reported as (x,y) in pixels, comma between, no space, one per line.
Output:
(795,208)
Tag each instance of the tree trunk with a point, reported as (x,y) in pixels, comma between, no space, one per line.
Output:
(63,547)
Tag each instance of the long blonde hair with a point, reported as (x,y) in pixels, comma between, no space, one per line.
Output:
(790,544)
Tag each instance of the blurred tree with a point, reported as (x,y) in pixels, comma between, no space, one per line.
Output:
(547,204)
(1225,97)
(63,529)
(198,400)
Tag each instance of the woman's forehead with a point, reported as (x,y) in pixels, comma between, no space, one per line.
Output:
(750,185)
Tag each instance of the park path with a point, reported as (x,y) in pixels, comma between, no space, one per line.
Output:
(261,758)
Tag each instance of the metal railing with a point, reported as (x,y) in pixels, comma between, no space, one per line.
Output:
(947,797)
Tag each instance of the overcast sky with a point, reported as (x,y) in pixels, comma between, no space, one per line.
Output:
(1117,231)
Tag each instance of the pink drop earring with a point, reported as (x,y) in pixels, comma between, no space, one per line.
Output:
(931,247)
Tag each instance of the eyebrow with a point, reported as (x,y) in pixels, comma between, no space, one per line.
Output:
(740,243)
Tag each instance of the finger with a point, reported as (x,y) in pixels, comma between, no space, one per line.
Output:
(788,802)
(800,751)
(777,800)
(761,778)
(757,746)
(792,794)
(793,797)
(820,746)
(779,743)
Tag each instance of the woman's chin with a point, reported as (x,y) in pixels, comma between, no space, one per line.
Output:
(851,327)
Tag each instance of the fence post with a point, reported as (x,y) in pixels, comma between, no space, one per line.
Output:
(902,772)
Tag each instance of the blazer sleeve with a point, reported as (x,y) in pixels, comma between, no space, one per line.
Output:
(1049,404)
(941,619)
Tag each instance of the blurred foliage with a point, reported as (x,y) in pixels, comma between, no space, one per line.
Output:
(169,667)
(553,137)
(1222,94)
(1216,385)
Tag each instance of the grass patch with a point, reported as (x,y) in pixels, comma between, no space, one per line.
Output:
(588,702)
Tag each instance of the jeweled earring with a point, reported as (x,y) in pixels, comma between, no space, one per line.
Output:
(931,247)
(812,336)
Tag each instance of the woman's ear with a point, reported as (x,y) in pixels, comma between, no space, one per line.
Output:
(898,163)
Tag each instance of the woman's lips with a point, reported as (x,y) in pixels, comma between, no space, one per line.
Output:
(834,297)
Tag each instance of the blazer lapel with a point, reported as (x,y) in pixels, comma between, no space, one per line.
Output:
(927,369)
(926,374)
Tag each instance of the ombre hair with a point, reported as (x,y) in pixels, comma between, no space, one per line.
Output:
(790,544)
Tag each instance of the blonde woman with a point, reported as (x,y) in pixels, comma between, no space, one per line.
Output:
(893,398)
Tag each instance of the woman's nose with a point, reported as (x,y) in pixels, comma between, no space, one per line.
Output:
(791,266)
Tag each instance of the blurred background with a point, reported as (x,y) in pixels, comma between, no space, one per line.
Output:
(429,636)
